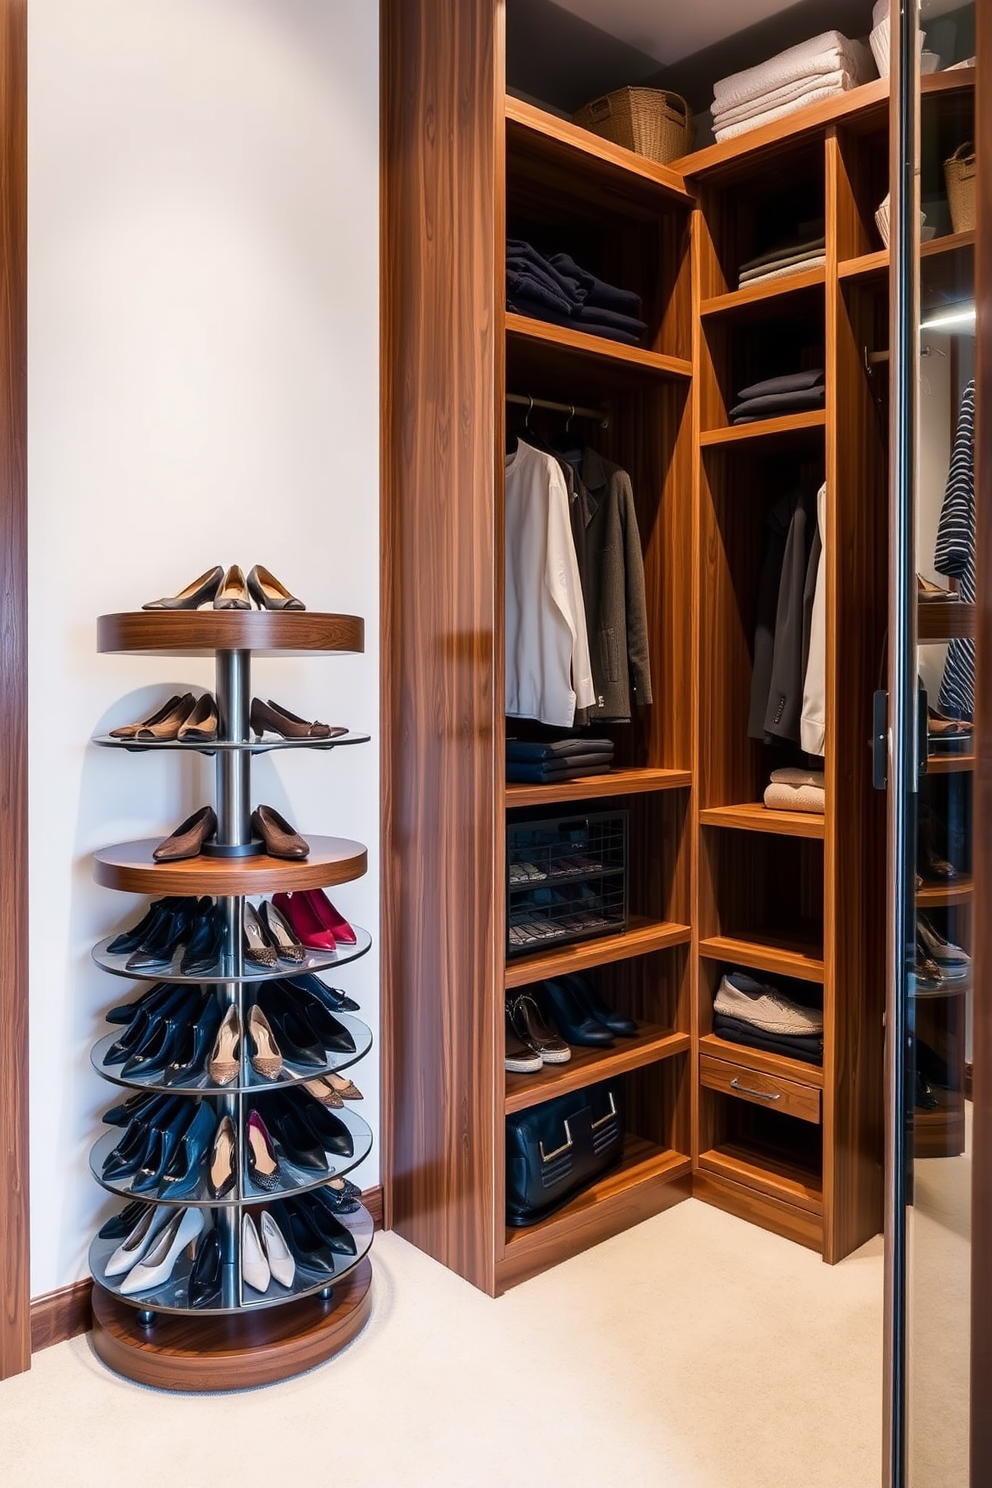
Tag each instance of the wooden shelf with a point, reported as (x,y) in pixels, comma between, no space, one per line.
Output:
(761,1059)
(643,1163)
(944,620)
(268,632)
(604,353)
(758,295)
(753,816)
(950,764)
(642,937)
(586,1066)
(574,153)
(862,110)
(770,1173)
(591,787)
(933,896)
(131,867)
(875,266)
(779,956)
(792,426)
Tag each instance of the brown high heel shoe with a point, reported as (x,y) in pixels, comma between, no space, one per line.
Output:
(194,595)
(345,1088)
(280,721)
(201,725)
(280,839)
(188,838)
(263,1051)
(323,1091)
(164,723)
(224,1063)
(267,592)
(233,591)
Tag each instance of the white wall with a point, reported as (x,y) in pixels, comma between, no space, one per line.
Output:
(203,388)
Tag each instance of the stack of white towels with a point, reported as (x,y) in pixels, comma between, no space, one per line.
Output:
(805,74)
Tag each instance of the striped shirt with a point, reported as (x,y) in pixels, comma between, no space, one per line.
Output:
(955,556)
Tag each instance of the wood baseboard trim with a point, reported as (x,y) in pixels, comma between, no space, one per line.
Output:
(58,1316)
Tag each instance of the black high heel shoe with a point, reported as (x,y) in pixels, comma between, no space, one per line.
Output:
(195,594)
(141,1030)
(307,1246)
(336,1236)
(191,1055)
(298,1040)
(130,940)
(333,998)
(329,1130)
(126,1012)
(159,948)
(128,1111)
(206,940)
(267,592)
(120,1225)
(165,1036)
(330,1034)
(162,1153)
(293,1136)
(204,1278)
(184,1168)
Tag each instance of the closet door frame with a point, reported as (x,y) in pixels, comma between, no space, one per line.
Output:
(15,1292)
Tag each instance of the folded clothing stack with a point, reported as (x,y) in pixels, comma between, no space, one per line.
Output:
(565,759)
(806,249)
(795,790)
(758,1015)
(816,69)
(555,288)
(797,392)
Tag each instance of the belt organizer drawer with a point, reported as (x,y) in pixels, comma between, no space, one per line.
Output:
(760,1089)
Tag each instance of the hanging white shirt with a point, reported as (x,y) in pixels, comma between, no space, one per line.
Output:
(548,672)
(813,725)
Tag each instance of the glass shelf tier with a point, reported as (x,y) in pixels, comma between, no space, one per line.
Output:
(173,1296)
(315,961)
(299,1179)
(255,1083)
(225,746)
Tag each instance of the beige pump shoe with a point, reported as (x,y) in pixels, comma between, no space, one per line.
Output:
(224,1063)
(345,1087)
(263,1051)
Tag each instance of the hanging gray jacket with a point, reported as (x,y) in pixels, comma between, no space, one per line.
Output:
(613,589)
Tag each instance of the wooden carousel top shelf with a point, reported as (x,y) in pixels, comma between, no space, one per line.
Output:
(131,867)
(272,632)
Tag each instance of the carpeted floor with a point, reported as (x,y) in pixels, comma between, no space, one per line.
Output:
(695,1351)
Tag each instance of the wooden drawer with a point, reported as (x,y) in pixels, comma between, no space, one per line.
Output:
(761,1089)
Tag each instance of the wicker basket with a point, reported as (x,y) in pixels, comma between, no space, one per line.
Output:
(959,174)
(648,121)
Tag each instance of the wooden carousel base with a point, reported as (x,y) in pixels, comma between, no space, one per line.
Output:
(233,1352)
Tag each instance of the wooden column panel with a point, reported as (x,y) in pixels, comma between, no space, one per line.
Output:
(442,678)
(854,843)
(15,1322)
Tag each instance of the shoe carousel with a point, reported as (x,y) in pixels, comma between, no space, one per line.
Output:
(241,1256)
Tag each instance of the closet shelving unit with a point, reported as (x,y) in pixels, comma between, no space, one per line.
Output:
(715,878)
(243,1338)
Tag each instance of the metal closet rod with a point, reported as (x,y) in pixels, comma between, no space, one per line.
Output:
(572,409)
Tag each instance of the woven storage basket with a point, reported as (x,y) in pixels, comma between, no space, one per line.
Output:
(648,121)
(959,174)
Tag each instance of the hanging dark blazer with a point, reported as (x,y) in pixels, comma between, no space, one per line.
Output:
(613,588)
(779,670)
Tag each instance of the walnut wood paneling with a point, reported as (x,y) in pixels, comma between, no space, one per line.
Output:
(854,844)
(15,1326)
(442,681)
(981,1210)
(267,632)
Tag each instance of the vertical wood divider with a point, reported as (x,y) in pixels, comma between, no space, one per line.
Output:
(15,1319)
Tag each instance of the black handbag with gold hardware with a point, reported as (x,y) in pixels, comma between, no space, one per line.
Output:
(555,1150)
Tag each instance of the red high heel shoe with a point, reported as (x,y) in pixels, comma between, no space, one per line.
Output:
(328,916)
(303,921)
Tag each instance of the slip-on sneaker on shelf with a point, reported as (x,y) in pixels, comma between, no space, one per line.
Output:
(764,1006)
(530,1027)
(520,1058)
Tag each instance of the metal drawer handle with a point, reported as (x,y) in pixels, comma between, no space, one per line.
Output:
(611,1113)
(735,1084)
(546,1157)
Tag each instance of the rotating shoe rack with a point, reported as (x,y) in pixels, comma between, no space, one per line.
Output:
(244,1338)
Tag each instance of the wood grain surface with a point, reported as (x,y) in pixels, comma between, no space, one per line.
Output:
(597,787)
(269,632)
(15,1327)
(981,1216)
(442,140)
(234,1352)
(130,866)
